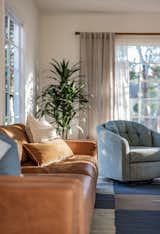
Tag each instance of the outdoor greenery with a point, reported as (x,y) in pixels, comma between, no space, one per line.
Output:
(64,97)
(144,71)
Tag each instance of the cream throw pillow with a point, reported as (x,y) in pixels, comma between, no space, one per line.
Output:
(40,131)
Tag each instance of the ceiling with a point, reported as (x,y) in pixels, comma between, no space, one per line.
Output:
(99,6)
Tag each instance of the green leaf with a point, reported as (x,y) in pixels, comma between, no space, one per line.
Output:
(63,99)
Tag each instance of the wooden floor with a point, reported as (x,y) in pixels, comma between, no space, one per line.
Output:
(103,219)
(134,208)
(103,222)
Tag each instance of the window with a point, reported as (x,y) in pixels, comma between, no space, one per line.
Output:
(13,68)
(140,57)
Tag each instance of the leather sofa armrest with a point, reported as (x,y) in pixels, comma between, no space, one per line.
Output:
(83,147)
(43,204)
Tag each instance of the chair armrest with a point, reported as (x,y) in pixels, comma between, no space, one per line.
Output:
(43,204)
(83,147)
(112,154)
(108,138)
(155,139)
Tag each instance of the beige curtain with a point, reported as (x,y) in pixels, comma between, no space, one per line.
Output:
(122,99)
(97,66)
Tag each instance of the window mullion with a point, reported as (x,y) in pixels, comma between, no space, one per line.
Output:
(20,74)
(8,86)
(13,70)
(139,99)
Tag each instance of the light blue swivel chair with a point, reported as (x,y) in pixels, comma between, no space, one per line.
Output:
(128,151)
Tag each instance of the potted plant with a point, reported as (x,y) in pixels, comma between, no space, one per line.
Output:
(65,97)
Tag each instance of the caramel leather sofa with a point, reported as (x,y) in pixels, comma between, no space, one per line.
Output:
(55,199)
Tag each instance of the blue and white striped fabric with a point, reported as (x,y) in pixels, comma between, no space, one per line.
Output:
(127,208)
(9,160)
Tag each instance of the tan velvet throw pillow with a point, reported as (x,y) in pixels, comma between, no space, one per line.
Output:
(45,154)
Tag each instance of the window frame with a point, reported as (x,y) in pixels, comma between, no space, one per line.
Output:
(146,41)
(20,71)
(2,61)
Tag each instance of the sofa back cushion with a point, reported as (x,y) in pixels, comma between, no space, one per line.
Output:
(18,134)
(136,134)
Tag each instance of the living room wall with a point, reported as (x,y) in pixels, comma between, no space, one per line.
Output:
(57,38)
(28,14)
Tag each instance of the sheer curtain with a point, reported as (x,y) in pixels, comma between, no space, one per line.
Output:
(122,101)
(137,79)
(107,64)
(97,66)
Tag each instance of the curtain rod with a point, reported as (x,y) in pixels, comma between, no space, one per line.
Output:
(118,33)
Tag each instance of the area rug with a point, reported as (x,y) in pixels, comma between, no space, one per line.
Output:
(127,208)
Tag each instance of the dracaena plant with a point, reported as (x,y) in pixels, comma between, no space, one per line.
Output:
(64,97)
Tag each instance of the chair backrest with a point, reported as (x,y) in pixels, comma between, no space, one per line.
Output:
(136,134)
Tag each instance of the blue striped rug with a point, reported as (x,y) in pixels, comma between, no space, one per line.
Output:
(127,208)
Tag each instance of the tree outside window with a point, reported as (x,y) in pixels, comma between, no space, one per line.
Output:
(144,71)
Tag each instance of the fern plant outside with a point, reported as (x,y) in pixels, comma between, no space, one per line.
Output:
(65,97)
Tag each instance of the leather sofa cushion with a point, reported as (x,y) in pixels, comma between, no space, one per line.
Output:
(136,134)
(17,133)
(144,154)
(76,164)
(45,154)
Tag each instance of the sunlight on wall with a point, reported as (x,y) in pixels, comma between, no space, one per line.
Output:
(30,94)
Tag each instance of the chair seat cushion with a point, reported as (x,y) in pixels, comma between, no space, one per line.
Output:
(144,154)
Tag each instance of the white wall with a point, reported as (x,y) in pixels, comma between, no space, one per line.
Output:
(59,41)
(28,14)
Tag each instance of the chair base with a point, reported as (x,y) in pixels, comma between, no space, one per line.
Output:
(133,182)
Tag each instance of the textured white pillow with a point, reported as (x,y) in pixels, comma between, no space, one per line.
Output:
(40,131)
